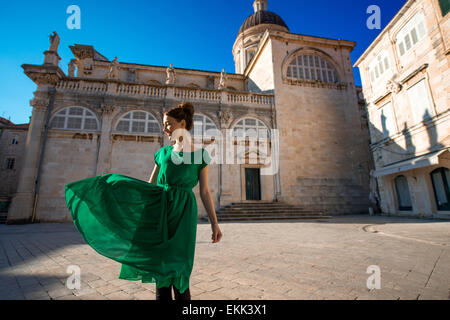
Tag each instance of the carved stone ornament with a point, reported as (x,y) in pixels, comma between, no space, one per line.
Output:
(44,78)
(315,84)
(393,86)
(40,104)
(224,117)
(107,108)
(83,53)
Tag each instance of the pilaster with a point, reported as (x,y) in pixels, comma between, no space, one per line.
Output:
(21,207)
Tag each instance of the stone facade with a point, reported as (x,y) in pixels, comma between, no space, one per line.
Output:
(405,77)
(317,121)
(324,160)
(12,147)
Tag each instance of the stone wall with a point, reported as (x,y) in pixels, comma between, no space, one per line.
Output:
(324,157)
(427,61)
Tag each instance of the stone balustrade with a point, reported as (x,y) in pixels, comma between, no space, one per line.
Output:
(196,94)
(141,89)
(169,92)
(81,85)
(249,98)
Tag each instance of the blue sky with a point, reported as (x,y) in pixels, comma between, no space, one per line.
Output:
(196,34)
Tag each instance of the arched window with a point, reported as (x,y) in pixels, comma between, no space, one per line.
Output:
(75,118)
(441,186)
(403,195)
(138,122)
(312,67)
(203,127)
(250,127)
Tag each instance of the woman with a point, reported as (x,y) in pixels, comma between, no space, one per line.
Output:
(150,227)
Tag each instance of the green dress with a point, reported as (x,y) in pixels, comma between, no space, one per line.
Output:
(150,229)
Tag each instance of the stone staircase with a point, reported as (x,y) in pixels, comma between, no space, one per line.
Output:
(265,210)
(3,216)
(3,210)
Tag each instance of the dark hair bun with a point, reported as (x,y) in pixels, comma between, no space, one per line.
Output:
(184,111)
(188,108)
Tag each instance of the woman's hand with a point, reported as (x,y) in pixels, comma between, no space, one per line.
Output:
(216,233)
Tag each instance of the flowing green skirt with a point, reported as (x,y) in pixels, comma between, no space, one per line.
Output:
(149,228)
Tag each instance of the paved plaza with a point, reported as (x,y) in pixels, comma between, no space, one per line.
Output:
(282,260)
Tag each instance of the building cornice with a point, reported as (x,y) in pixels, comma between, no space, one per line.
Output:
(304,39)
(44,74)
(313,40)
(162,69)
(412,74)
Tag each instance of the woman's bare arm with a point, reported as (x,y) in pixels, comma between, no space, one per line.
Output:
(205,195)
(154,175)
(207,200)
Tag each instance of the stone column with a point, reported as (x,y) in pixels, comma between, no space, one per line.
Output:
(22,203)
(274,151)
(104,153)
(225,187)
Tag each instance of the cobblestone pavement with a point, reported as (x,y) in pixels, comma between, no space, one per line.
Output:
(283,260)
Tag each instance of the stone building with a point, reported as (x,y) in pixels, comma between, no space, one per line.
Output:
(405,78)
(12,148)
(295,93)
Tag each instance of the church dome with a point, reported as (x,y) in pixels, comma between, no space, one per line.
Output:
(262,17)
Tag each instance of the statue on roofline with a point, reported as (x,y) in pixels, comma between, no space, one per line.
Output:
(170,75)
(223,80)
(54,42)
(114,69)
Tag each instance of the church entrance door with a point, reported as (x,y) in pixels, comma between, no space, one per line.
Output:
(252,184)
